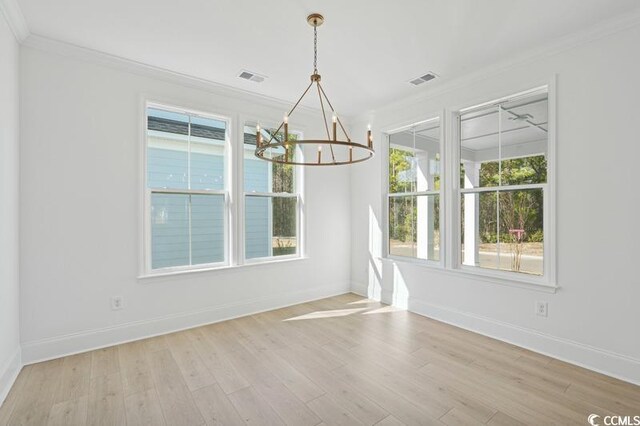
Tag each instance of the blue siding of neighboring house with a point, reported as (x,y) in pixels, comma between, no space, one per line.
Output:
(167,168)
(257,209)
(170,212)
(169,230)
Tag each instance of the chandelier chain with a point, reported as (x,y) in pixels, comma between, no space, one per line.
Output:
(315,50)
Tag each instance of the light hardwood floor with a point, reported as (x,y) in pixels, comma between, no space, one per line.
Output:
(343,360)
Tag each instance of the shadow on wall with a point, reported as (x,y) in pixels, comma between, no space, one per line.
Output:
(384,278)
(374,275)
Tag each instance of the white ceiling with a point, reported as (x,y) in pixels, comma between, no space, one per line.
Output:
(368,49)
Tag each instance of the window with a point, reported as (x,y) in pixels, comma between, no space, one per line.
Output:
(186,189)
(414,192)
(503,184)
(271,201)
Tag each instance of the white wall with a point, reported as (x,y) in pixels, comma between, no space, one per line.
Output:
(80,198)
(9,244)
(593,318)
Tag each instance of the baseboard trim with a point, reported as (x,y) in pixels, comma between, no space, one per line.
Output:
(9,374)
(600,360)
(59,346)
(360,289)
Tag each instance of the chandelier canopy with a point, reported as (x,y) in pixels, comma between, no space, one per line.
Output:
(280,147)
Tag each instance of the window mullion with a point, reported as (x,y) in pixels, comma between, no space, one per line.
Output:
(502,188)
(189,154)
(412,194)
(499,185)
(190,230)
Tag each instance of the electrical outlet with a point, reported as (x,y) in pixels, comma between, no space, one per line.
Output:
(116,303)
(542,309)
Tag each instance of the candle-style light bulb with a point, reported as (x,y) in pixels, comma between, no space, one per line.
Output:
(319,154)
(258,135)
(335,128)
(369,137)
(350,154)
(286,127)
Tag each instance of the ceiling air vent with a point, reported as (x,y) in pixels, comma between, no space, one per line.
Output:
(423,79)
(251,76)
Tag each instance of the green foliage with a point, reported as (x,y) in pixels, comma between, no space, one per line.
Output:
(403,213)
(284,209)
(398,162)
(516,171)
(536,236)
(518,209)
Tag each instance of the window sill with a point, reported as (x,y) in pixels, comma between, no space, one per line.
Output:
(485,276)
(167,274)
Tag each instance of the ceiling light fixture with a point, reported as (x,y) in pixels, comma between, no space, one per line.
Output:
(281,148)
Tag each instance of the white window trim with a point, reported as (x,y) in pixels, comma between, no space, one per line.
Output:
(298,193)
(440,263)
(234,196)
(146,269)
(548,279)
(450,262)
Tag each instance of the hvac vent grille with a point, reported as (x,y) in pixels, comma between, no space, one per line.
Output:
(251,76)
(423,79)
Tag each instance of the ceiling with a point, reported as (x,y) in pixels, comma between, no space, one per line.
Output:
(518,122)
(368,50)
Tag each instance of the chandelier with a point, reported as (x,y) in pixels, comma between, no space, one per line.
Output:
(338,149)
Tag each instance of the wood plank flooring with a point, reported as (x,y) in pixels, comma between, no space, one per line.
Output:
(343,360)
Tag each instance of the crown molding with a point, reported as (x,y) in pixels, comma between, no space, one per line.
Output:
(14,17)
(601,30)
(596,32)
(119,63)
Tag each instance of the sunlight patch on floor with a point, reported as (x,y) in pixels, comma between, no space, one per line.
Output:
(383,310)
(327,314)
(363,302)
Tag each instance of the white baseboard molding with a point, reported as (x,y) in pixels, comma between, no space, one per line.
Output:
(603,361)
(56,347)
(9,373)
(361,290)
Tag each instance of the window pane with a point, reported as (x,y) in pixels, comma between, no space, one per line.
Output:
(524,140)
(414,228)
(505,144)
(169,230)
(257,227)
(479,152)
(207,229)
(479,239)
(522,231)
(270,226)
(167,149)
(207,153)
(186,229)
(414,159)
(402,235)
(510,241)
(263,176)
